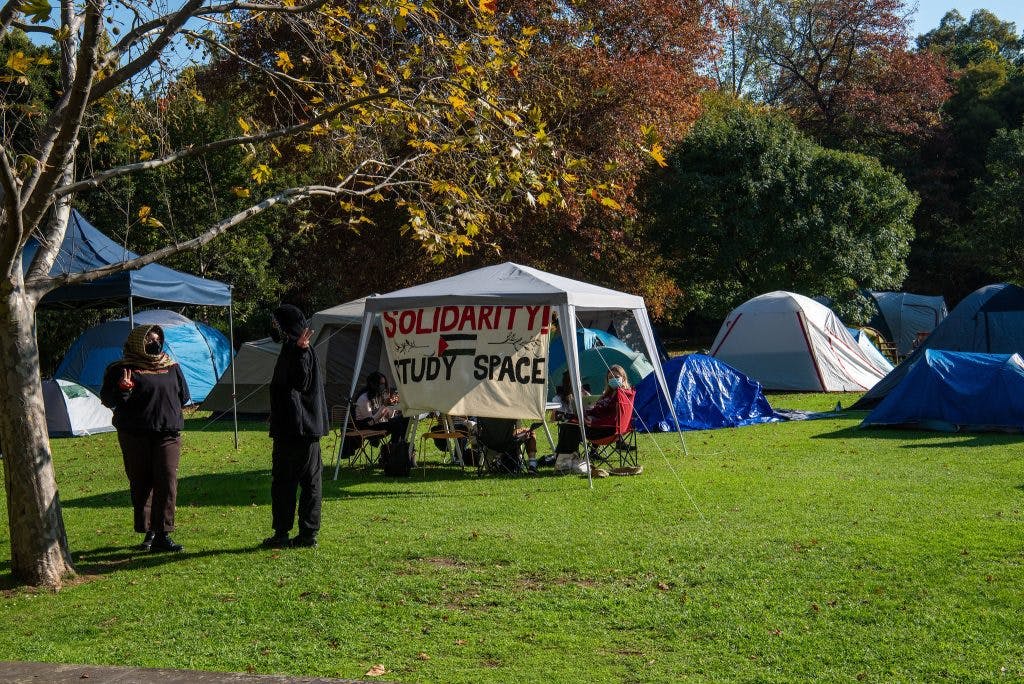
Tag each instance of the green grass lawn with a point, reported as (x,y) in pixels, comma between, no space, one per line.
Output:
(820,551)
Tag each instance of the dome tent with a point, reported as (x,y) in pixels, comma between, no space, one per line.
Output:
(706,393)
(950,391)
(202,352)
(74,411)
(595,362)
(586,338)
(787,341)
(990,320)
(900,316)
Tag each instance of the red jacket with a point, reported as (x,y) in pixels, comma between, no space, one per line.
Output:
(609,410)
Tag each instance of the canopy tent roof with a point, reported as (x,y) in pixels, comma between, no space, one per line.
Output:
(349,313)
(951,391)
(509,284)
(86,248)
(990,320)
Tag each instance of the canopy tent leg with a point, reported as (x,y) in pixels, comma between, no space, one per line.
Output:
(231,333)
(567,327)
(644,323)
(131,312)
(364,341)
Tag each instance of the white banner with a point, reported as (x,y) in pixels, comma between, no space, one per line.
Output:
(488,361)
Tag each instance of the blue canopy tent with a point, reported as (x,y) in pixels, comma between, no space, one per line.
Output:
(952,391)
(706,394)
(202,352)
(86,248)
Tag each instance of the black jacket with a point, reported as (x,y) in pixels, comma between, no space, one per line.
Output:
(297,404)
(153,405)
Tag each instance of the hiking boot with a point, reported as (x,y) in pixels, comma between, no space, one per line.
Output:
(163,542)
(147,542)
(304,541)
(278,541)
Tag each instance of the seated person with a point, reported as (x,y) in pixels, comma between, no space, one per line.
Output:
(563,393)
(505,436)
(375,410)
(601,419)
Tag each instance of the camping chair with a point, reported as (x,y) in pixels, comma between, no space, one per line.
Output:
(621,445)
(500,452)
(365,441)
(443,434)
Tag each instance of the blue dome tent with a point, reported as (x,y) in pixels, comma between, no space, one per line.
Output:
(202,352)
(706,394)
(990,320)
(952,391)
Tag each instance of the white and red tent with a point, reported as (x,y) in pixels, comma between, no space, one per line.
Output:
(787,341)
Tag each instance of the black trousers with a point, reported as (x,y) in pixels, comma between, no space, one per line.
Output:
(151,464)
(296,465)
(569,436)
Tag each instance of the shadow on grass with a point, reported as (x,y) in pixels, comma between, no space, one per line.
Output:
(952,439)
(247,488)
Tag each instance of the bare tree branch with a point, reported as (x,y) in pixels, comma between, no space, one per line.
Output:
(39,286)
(59,143)
(171,28)
(7,14)
(34,28)
(96,180)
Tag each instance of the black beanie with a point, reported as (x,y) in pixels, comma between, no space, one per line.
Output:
(290,319)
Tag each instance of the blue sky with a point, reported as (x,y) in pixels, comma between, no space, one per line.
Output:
(929,12)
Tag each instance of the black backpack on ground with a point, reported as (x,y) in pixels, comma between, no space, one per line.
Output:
(395,458)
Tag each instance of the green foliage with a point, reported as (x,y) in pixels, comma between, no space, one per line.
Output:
(828,553)
(999,206)
(749,205)
(985,36)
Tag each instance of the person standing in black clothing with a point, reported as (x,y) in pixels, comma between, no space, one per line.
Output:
(298,419)
(146,390)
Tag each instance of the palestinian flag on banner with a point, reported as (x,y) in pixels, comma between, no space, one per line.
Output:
(456,344)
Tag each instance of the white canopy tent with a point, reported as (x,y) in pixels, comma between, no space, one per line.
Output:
(510,284)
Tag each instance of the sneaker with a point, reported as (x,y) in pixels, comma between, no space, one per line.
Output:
(304,541)
(163,542)
(532,468)
(147,542)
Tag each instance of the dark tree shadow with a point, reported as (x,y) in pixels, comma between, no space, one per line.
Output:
(953,439)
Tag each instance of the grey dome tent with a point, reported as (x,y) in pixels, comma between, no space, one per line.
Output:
(990,320)
(74,411)
(902,315)
(335,338)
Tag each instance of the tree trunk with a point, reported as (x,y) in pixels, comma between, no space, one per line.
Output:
(39,544)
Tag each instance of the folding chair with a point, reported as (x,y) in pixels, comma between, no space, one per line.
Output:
(366,441)
(501,452)
(443,434)
(622,444)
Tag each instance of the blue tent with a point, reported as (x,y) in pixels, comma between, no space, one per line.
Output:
(988,321)
(586,338)
(707,394)
(952,391)
(86,248)
(900,316)
(202,352)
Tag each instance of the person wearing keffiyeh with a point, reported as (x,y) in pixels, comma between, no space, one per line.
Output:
(146,391)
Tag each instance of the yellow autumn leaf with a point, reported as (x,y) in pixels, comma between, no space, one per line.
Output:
(197,96)
(488,6)
(241,192)
(43,60)
(610,203)
(144,212)
(17,61)
(456,101)
(284,61)
(261,174)
(244,126)
(304,148)
(658,155)
(100,138)
(544,199)
(145,155)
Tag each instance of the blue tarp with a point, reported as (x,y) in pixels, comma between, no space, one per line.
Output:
(202,352)
(988,321)
(86,248)
(707,394)
(952,391)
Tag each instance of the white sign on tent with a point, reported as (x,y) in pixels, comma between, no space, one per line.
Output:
(470,360)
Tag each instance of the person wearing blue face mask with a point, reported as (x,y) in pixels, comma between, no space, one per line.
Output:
(601,419)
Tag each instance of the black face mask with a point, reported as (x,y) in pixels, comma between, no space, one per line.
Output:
(275,335)
(152,348)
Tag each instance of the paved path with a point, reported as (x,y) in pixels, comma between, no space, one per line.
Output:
(50,673)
